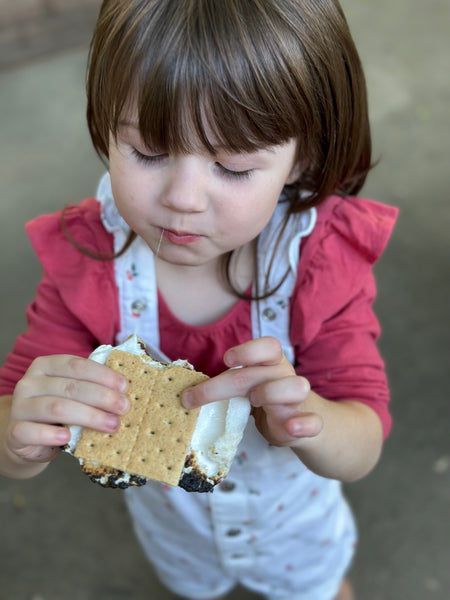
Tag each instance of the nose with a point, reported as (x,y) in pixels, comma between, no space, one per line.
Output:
(185,189)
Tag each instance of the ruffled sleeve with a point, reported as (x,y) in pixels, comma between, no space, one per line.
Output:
(75,307)
(333,327)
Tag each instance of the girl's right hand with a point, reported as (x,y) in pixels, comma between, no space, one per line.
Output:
(62,390)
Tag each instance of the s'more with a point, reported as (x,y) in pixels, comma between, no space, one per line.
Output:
(158,438)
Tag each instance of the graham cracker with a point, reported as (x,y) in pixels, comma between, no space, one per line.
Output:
(154,436)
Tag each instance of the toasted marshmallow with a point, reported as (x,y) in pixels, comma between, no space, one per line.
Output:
(218,431)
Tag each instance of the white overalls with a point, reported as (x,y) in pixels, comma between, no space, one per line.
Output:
(272,525)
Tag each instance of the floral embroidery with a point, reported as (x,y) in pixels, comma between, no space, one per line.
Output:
(241,458)
(283,303)
(131,273)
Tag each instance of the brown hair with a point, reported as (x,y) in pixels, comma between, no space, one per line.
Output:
(253,72)
(257,71)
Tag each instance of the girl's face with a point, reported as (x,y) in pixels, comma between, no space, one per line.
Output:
(193,208)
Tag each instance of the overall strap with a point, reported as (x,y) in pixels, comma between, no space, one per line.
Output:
(278,256)
(134,272)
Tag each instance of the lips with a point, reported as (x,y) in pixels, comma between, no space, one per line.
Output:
(180,238)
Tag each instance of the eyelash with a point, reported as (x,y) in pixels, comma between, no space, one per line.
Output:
(158,158)
(148,159)
(236,175)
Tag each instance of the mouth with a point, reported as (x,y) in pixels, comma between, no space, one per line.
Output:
(180,238)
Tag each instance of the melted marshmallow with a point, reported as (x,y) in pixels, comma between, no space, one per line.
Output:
(219,429)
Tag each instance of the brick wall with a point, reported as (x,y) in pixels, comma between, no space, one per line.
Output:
(32,28)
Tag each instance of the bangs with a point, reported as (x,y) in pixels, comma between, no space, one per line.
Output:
(241,75)
(194,73)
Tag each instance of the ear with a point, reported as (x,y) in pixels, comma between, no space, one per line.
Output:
(294,173)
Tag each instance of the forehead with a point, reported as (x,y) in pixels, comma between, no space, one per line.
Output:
(202,76)
(203,87)
(193,133)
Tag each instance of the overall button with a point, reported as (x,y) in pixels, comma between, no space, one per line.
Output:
(233,532)
(227,486)
(269,314)
(138,306)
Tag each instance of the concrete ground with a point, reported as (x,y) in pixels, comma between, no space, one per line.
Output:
(62,538)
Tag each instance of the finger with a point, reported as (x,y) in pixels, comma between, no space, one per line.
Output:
(86,392)
(23,435)
(55,410)
(288,390)
(304,425)
(231,383)
(285,427)
(262,351)
(74,367)
(38,454)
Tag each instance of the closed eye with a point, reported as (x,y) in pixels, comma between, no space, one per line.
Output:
(155,159)
(148,159)
(230,174)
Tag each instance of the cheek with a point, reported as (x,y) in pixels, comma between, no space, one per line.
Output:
(246,220)
(126,202)
(124,178)
(120,192)
(126,187)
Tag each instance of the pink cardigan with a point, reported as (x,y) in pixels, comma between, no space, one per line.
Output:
(333,328)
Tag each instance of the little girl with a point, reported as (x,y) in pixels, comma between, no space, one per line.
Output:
(227,232)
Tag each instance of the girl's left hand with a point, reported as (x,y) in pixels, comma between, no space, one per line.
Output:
(279,397)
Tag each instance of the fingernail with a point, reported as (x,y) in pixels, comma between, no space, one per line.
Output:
(124,405)
(230,358)
(63,435)
(124,384)
(307,386)
(296,429)
(112,422)
(253,398)
(187,399)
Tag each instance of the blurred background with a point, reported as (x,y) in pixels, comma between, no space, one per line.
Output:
(62,538)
